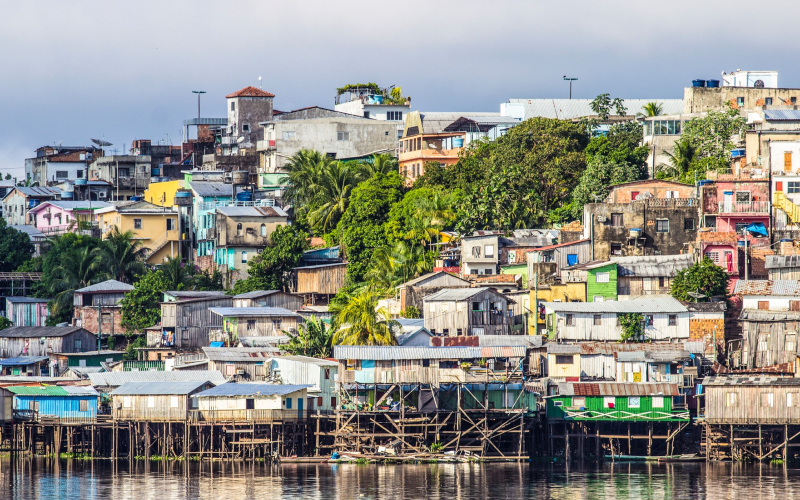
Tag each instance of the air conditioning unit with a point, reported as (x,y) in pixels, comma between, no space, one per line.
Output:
(101,194)
(602,218)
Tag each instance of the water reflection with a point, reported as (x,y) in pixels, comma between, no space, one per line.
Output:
(45,479)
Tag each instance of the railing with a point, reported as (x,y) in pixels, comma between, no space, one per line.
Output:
(245,415)
(211,205)
(143,366)
(658,291)
(672,202)
(185,359)
(752,207)
(672,378)
(727,174)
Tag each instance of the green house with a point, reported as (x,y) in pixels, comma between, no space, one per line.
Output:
(617,402)
(601,282)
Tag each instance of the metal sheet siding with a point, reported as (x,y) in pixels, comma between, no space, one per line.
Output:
(598,366)
(59,406)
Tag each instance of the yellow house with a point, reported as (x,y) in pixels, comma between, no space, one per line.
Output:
(162,193)
(157,227)
(566,292)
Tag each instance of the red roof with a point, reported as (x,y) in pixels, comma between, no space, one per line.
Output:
(250,91)
(559,245)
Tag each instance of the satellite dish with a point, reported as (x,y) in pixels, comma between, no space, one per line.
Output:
(59,143)
(101,143)
(240,140)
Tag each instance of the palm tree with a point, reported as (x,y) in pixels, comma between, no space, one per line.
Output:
(303,170)
(175,272)
(361,322)
(124,256)
(76,269)
(394,266)
(380,164)
(439,208)
(314,338)
(680,160)
(651,109)
(333,189)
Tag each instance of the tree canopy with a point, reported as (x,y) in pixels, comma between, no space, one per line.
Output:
(141,307)
(15,247)
(704,278)
(271,269)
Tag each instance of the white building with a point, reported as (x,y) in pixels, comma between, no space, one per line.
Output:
(770,295)
(370,104)
(755,79)
(319,375)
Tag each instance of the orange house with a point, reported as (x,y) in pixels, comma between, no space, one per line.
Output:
(418,149)
(653,188)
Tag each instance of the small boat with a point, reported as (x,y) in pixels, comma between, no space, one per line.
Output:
(630,458)
(693,457)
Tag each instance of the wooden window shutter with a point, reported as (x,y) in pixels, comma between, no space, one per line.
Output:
(763,304)
(794,305)
(787,161)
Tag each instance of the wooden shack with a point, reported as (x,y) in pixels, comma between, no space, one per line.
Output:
(186,323)
(66,403)
(27,311)
(752,400)
(156,401)
(241,363)
(467,311)
(43,340)
(616,402)
(240,322)
(252,403)
(319,375)
(317,284)
(97,307)
(768,338)
(107,382)
(414,291)
(269,298)
(26,366)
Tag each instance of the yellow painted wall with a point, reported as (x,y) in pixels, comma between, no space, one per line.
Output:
(556,370)
(152,233)
(567,292)
(162,193)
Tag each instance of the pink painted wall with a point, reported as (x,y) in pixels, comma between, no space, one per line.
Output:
(52,225)
(727,224)
(733,266)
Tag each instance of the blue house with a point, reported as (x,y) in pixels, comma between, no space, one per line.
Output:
(207,197)
(63,402)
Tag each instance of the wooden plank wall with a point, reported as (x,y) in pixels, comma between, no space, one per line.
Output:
(325,280)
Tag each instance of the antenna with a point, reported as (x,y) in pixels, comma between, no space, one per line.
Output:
(259,82)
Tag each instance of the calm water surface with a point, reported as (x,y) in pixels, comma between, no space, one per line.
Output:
(46,479)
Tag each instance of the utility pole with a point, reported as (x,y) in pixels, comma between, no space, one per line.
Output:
(99,327)
(198,92)
(570,80)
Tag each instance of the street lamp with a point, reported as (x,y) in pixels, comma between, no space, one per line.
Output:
(570,80)
(198,92)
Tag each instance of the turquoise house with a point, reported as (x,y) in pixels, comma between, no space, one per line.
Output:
(207,196)
(62,402)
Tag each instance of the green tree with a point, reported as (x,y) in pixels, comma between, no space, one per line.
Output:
(303,170)
(622,144)
(141,307)
(8,177)
(15,247)
(272,268)
(704,277)
(393,266)
(711,136)
(651,109)
(361,226)
(681,166)
(123,255)
(176,273)
(597,181)
(603,104)
(130,352)
(314,338)
(360,322)
(77,268)
(379,164)
(632,327)
(332,193)
(434,176)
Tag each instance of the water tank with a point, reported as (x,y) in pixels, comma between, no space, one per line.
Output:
(458,142)
(698,83)
(635,233)
(240,176)
(137,198)
(183,198)
(712,84)
(736,153)
(244,196)
(80,182)
(66,195)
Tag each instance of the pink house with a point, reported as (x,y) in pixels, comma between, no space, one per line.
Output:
(58,217)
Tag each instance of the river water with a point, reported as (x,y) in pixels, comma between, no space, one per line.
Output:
(47,479)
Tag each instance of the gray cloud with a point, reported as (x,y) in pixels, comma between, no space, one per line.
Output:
(74,70)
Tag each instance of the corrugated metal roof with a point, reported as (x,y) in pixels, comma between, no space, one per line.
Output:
(568,109)
(240,353)
(253,311)
(158,388)
(435,122)
(321,265)
(251,389)
(39,191)
(456,294)
(211,189)
(777,115)
(641,305)
(26,300)
(719,307)
(695,346)
(381,353)
(38,331)
(31,231)
(307,359)
(560,245)
(256,294)
(251,211)
(668,356)
(191,294)
(113,379)
(653,265)
(767,287)
(72,205)
(617,389)
(737,380)
(528,341)
(53,390)
(106,286)
(762,315)
(23,360)
(563,348)
(431,275)
(632,356)
(781,261)
(266,341)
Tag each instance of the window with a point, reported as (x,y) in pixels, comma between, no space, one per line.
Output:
(289,135)
(170,224)
(276,324)
(476,306)
(740,101)
(230,369)
(763,305)
(476,331)
(658,401)
(251,324)
(62,174)
(570,320)
(609,402)
(124,172)
(763,342)
(616,249)
(688,224)
(739,227)
(78,345)
(288,403)
(137,223)
(151,402)
(633,402)
(730,399)
(333,402)
(366,114)
(787,161)
(476,251)
(327,373)
(666,127)
(488,251)
(564,359)
(459,332)
(126,401)
(342,136)
(767,399)
(244,257)
(742,196)
(598,320)
(648,320)
(83,405)
(579,402)
(616,220)
(233,105)
(794,187)
(173,402)
(393,116)
(790,344)
(245,128)
(662,226)
(80,174)
(767,101)
(603,277)
(263,229)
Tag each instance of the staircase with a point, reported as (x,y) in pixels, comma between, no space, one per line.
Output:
(792,211)
(160,243)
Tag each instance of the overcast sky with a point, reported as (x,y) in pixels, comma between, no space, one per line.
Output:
(72,70)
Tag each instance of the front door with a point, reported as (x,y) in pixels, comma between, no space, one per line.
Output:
(300,407)
(729,261)
(727,201)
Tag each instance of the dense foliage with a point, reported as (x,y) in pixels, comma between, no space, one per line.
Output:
(271,269)
(314,338)
(704,278)
(141,307)
(361,322)
(15,247)
(632,327)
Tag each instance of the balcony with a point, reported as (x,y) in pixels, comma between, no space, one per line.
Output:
(672,202)
(738,174)
(265,145)
(751,207)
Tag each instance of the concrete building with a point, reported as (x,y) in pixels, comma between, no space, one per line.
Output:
(575,109)
(101,300)
(754,79)
(333,133)
(368,103)
(246,109)
(702,99)
(18,201)
(660,135)
(128,174)
(157,227)
(768,125)
(65,216)
(54,164)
